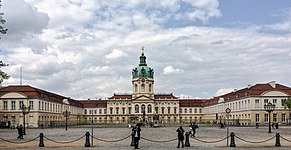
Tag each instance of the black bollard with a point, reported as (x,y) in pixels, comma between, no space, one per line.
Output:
(132,139)
(187,143)
(87,143)
(41,140)
(278,144)
(232,143)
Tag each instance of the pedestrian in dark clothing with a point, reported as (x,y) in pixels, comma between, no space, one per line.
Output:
(193,129)
(180,131)
(136,132)
(20,132)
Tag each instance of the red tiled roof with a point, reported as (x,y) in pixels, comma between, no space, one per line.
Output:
(32,92)
(121,96)
(165,96)
(192,102)
(93,103)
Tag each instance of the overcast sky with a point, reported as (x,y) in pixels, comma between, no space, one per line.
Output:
(197,48)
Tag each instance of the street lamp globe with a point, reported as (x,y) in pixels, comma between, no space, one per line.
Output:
(269,107)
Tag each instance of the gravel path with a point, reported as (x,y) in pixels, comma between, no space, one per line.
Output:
(150,138)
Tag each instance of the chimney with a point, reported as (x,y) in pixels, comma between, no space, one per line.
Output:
(249,86)
(273,84)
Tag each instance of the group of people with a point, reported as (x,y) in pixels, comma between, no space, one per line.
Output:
(136,134)
(181,131)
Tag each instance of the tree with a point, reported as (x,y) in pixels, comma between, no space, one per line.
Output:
(287,103)
(2,21)
(3,75)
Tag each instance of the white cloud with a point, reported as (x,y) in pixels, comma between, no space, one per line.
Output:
(88,48)
(223,91)
(172,70)
(115,54)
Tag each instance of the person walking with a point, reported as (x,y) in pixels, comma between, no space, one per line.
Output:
(20,132)
(136,132)
(180,131)
(193,129)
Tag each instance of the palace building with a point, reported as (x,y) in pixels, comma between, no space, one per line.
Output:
(143,105)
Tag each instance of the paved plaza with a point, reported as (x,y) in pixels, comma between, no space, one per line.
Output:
(150,138)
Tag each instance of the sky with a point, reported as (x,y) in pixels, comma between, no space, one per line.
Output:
(198,48)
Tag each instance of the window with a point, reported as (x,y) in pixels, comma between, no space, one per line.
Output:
(117,110)
(163,110)
(135,87)
(129,110)
(95,112)
(266,117)
(257,103)
(266,101)
(136,109)
(150,88)
(274,117)
(275,101)
(283,117)
(100,111)
(283,102)
(185,110)
(200,110)
(5,105)
(149,108)
(13,105)
(169,110)
(142,88)
(175,110)
(190,110)
(143,108)
(90,111)
(20,104)
(31,105)
(111,110)
(105,111)
(180,110)
(195,111)
(157,110)
(123,110)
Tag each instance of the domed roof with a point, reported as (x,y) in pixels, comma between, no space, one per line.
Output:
(142,70)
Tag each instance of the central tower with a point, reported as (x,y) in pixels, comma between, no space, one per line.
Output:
(143,79)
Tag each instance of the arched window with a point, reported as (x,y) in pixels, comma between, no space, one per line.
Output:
(136,108)
(111,110)
(149,108)
(143,108)
(117,110)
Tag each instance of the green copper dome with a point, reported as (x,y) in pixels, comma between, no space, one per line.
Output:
(142,71)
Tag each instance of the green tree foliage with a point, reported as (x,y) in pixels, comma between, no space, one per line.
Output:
(287,103)
(3,75)
(2,21)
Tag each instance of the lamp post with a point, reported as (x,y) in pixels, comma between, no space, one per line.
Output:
(25,111)
(228,110)
(269,108)
(66,114)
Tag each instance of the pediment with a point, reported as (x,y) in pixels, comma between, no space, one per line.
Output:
(143,98)
(14,95)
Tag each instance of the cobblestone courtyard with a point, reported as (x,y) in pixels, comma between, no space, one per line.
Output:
(150,138)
